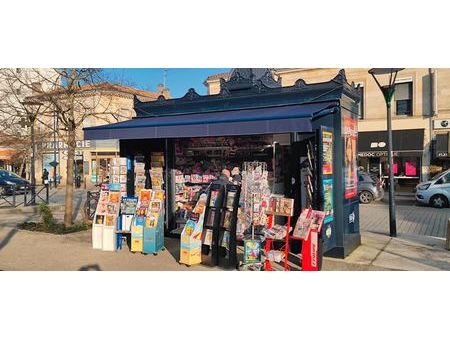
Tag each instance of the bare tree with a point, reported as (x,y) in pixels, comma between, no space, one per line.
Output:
(72,95)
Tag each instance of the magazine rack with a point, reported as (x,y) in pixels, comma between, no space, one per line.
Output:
(191,237)
(127,214)
(137,228)
(270,242)
(213,215)
(308,229)
(154,224)
(227,252)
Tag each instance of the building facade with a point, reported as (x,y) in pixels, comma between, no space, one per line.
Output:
(113,103)
(420,118)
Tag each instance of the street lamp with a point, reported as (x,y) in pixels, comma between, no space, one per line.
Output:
(31,118)
(388,93)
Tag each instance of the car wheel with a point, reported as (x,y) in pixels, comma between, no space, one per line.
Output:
(438,201)
(3,191)
(365,197)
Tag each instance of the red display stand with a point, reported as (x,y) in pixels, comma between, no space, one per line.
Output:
(310,250)
(311,222)
(269,242)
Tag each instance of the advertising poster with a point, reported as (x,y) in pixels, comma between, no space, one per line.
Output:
(46,160)
(350,134)
(328,200)
(327,152)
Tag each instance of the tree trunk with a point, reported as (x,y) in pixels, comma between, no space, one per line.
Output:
(22,166)
(69,179)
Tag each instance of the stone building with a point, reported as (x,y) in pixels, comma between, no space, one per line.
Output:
(420,118)
(112,103)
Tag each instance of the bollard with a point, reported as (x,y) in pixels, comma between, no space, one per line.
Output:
(447,241)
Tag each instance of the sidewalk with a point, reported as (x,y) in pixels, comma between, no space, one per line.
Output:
(24,250)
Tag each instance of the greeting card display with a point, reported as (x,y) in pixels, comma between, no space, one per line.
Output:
(118,174)
(137,229)
(154,223)
(191,237)
(107,213)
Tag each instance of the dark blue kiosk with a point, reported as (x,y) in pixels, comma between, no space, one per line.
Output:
(307,133)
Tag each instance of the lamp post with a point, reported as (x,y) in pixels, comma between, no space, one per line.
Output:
(388,93)
(31,118)
(55,147)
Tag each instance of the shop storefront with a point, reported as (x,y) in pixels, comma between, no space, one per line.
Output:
(301,140)
(407,154)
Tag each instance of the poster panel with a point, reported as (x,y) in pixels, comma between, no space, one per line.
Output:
(350,135)
(327,152)
(328,200)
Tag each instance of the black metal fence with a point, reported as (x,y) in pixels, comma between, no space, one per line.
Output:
(13,196)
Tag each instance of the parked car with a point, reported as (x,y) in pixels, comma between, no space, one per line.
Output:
(10,182)
(436,191)
(370,188)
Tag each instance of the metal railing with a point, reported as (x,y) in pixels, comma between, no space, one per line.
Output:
(12,196)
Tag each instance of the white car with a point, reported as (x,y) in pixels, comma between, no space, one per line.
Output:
(435,192)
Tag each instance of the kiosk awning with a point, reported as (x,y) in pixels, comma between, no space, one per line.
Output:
(272,120)
(409,141)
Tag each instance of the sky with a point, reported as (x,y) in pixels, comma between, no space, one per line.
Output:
(178,80)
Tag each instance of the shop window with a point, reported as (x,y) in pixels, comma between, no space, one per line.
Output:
(403,98)
(361,104)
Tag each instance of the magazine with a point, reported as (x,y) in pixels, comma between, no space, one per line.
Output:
(155,206)
(207,238)
(123,170)
(230,199)
(158,195)
(111,220)
(103,196)
(226,240)
(128,206)
(213,198)
(111,208)
(303,223)
(115,170)
(252,251)
(287,206)
(210,218)
(144,196)
(114,196)
(227,219)
(99,219)
(101,208)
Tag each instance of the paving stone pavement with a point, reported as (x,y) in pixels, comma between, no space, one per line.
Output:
(411,219)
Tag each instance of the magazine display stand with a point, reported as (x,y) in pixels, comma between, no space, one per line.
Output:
(137,229)
(154,224)
(227,252)
(210,237)
(106,217)
(128,209)
(307,229)
(111,217)
(191,237)
(284,207)
(99,219)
